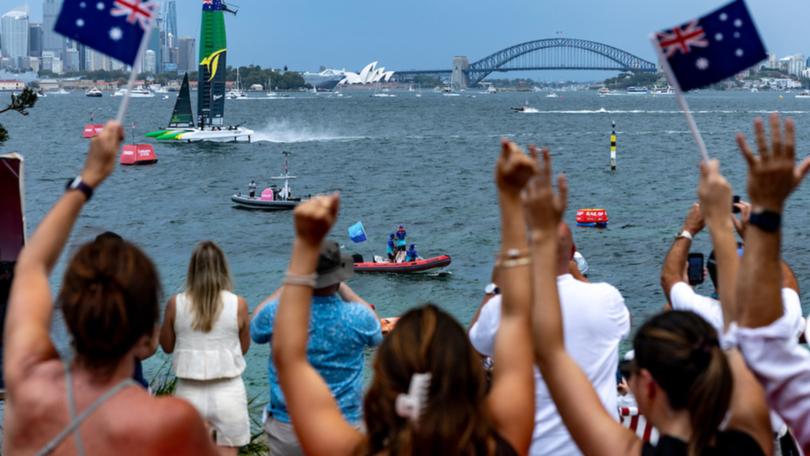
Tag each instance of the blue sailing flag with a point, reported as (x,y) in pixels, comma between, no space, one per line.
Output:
(713,47)
(112,27)
(357,232)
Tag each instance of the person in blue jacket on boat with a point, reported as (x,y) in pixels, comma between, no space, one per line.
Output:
(401,235)
(411,254)
(391,248)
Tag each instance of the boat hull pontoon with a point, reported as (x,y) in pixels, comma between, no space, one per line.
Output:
(245,201)
(421,265)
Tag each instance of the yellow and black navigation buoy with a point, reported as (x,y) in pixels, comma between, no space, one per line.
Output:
(613,148)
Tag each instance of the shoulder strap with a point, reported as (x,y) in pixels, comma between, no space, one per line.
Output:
(77,421)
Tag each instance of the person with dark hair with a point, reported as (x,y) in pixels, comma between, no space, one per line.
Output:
(391,248)
(252,188)
(109,299)
(683,381)
(207,330)
(411,254)
(428,393)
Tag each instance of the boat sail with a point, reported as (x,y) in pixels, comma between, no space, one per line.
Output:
(210,86)
(182,116)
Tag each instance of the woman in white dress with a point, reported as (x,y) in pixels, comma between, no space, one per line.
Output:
(207,329)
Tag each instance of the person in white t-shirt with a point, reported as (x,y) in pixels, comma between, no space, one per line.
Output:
(595,319)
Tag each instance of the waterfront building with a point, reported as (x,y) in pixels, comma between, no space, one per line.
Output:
(187,54)
(149,62)
(51,41)
(35,37)
(14,37)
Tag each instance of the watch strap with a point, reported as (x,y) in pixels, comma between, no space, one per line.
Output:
(685,234)
(768,221)
(78,184)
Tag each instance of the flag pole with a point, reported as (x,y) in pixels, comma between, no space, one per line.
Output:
(673,81)
(122,108)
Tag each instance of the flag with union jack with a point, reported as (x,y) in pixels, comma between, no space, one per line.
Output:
(711,48)
(113,27)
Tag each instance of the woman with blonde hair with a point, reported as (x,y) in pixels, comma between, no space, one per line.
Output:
(207,328)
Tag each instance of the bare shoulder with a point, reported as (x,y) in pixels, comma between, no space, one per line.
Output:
(174,426)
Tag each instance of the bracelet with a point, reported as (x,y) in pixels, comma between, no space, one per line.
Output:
(685,234)
(522,261)
(513,254)
(304,280)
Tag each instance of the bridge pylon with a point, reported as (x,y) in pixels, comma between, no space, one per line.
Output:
(458,79)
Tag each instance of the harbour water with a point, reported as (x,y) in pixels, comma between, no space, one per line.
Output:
(425,162)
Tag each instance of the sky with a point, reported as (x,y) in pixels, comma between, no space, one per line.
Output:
(426,34)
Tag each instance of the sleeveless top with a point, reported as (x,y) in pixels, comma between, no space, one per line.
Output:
(733,443)
(212,355)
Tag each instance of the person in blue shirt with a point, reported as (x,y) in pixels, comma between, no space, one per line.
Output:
(401,235)
(391,248)
(342,327)
(411,254)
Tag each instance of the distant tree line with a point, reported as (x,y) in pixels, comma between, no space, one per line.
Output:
(252,74)
(632,79)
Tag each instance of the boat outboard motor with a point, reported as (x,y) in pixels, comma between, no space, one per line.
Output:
(357,258)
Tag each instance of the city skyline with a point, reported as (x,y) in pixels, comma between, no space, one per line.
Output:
(427,35)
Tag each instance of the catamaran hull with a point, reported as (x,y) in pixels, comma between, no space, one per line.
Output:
(190,135)
(266,205)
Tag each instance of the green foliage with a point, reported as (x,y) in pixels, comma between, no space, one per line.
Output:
(631,79)
(427,81)
(254,74)
(20,103)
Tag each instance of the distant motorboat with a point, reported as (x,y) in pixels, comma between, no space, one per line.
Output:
(161,90)
(61,91)
(662,91)
(754,90)
(236,94)
(525,109)
(552,95)
(138,92)
(271,199)
(803,94)
(93,93)
(491,89)
(637,91)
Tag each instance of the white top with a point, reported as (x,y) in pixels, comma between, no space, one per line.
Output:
(783,367)
(684,297)
(595,319)
(212,355)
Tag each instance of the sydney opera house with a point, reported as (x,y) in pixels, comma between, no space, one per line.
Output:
(327,79)
(368,75)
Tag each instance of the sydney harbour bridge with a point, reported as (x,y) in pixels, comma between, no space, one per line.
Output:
(546,54)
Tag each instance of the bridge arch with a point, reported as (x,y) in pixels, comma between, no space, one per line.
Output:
(596,56)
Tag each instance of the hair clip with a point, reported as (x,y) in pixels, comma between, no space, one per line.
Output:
(413,404)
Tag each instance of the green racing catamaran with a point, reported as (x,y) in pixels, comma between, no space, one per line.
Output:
(210,125)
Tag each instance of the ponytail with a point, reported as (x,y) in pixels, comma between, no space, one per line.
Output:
(708,400)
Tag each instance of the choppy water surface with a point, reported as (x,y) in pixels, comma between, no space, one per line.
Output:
(426,162)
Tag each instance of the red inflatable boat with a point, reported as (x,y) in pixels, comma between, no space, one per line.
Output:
(592,217)
(138,154)
(420,265)
(92,130)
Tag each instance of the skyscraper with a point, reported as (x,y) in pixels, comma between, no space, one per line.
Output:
(187,54)
(51,41)
(171,18)
(14,36)
(35,40)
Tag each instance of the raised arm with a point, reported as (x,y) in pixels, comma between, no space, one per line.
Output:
(26,334)
(593,429)
(167,334)
(748,411)
(320,427)
(672,271)
(715,193)
(767,341)
(512,396)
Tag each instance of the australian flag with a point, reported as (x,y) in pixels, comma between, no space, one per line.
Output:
(713,47)
(112,27)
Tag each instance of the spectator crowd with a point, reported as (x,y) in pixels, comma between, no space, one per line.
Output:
(537,371)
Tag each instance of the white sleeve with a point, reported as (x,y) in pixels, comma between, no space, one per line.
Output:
(483,332)
(783,367)
(793,310)
(617,313)
(683,297)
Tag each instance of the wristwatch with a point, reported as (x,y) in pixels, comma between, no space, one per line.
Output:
(491,289)
(685,234)
(768,221)
(78,184)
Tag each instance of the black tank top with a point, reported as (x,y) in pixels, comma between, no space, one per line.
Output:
(731,443)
